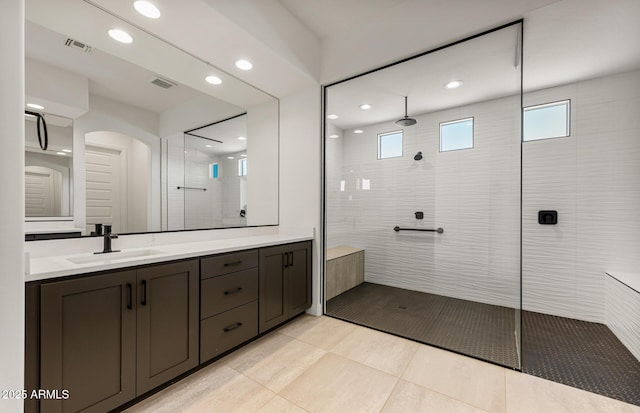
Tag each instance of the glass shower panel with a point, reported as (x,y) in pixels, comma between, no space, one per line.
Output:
(202,184)
(426,244)
(216,167)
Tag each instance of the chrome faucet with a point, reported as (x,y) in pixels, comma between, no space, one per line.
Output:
(108,236)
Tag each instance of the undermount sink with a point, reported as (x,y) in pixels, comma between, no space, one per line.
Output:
(112,256)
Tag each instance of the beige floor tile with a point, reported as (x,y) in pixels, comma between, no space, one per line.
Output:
(471,381)
(280,405)
(409,397)
(379,350)
(527,393)
(336,384)
(322,332)
(216,388)
(276,361)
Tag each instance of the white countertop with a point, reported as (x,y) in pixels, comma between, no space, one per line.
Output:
(59,266)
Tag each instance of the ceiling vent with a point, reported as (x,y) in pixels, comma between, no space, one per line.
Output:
(74,44)
(163,83)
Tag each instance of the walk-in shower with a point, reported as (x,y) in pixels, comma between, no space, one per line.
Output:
(445,229)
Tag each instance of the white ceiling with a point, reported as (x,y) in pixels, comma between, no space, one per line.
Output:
(486,65)
(335,17)
(109,76)
(565,41)
(297,44)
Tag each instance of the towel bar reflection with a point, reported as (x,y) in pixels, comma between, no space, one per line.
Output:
(195,189)
(438,230)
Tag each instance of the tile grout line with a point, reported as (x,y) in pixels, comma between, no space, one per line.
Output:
(395,386)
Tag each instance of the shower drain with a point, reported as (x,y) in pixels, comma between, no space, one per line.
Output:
(402,307)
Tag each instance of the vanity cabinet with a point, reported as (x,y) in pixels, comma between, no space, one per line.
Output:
(285,283)
(88,342)
(109,338)
(228,302)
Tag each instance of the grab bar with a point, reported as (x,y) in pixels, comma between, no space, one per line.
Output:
(438,230)
(188,187)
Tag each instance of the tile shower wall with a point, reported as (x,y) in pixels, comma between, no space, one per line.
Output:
(622,315)
(473,194)
(592,179)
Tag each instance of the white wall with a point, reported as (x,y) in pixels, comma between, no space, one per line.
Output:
(300,173)
(592,179)
(473,194)
(12,205)
(61,92)
(262,175)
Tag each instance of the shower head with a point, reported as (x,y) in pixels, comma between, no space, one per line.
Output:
(406,121)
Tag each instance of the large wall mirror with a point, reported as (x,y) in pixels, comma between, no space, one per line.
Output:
(133,127)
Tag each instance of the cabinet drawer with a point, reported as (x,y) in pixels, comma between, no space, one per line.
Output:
(227,263)
(228,291)
(227,330)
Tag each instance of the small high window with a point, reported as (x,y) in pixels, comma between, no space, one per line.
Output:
(242,167)
(390,144)
(457,134)
(550,120)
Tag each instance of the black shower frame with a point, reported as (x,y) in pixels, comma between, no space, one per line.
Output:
(324,177)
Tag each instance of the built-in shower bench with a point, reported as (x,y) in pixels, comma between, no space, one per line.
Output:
(622,308)
(345,269)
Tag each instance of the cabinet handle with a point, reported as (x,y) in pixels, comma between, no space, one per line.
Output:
(232,264)
(290,261)
(234,291)
(232,327)
(129,296)
(285,259)
(144,292)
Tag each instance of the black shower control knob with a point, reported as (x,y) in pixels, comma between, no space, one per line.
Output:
(547,217)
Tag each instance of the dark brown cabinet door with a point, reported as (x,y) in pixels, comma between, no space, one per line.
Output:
(168,322)
(88,342)
(299,278)
(285,283)
(273,285)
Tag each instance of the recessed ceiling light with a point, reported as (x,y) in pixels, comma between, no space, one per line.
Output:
(147,9)
(242,138)
(60,153)
(35,106)
(207,146)
(66,150)
(244,155)
(358,131)
(120,36)
(214,80)
(365,106)
(244,64)
(230,157)
(453,84)
(334,136)
(332,116)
